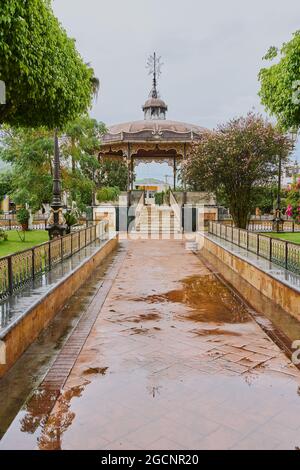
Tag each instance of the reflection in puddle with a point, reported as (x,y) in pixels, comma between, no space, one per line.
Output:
(59,421)
(95,370)
(209,300)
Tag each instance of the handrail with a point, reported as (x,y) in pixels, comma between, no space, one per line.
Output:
(20,267)
(139,207)
(175,207)
(284,253)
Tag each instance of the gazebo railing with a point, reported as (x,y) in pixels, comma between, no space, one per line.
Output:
(283,253)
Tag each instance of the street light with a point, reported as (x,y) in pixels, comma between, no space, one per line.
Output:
(278,220)
(56,222)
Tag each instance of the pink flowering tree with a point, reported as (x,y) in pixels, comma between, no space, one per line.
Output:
(235,160)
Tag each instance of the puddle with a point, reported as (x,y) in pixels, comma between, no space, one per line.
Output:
(95,370)
(214,331)
(209,301)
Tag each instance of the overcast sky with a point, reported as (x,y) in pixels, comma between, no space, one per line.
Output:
(212,52)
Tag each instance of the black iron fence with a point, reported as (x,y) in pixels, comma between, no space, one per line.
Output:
(281,252)
(264,225)
(23,266)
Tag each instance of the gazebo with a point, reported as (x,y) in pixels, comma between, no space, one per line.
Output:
(152,139)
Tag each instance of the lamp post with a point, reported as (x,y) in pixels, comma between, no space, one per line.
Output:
(56,222)
(278,221)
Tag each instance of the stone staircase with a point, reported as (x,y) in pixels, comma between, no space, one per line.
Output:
(157,219)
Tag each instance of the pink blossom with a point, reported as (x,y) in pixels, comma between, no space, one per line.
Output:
(289,211)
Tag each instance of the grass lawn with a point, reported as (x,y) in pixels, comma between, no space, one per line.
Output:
(13,244)
(289,236)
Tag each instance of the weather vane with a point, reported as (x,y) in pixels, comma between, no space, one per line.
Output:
(154,65)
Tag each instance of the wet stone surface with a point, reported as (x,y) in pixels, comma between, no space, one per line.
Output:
(173,361)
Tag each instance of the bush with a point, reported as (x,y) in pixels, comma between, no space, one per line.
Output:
(162,198)
(159,198)
(70,219)
(23,217)
(108,194)
(3,235)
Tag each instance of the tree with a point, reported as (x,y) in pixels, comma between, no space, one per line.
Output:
(47,82)
(5,183)
(112,173)
(280,83)
(80,143)
(235,159)
(30,153)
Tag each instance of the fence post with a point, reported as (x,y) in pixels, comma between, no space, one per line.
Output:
(239,237)
(49,255)
(85,237)
(247,239)
(71,243)
(61,249)
(271,239)
(257,243)
(232,234)
(286,254)
(10,275)
(33,267)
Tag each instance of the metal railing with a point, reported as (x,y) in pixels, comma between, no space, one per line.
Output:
(20,267)
(285,254)
(268,226)
(260,225)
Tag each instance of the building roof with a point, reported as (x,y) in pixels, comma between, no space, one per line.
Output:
(148,181)
(154,125)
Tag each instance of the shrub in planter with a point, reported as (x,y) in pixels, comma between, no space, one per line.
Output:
(70,219)
(23,218)
(108,193)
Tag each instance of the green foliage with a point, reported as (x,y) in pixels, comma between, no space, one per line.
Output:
(71,219)
(293,201)
(47,82)
(112,173)
(23,216)
(159,198)
(264,197)
(236,159)
(30,153)
(107,194)
(3,235)
(5,183)
(162,197)
(80,144)
(280,83)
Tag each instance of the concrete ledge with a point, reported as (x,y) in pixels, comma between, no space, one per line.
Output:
(279,291)
(24,330)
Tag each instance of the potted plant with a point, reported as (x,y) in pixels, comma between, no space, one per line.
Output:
(70,219)
(23,218)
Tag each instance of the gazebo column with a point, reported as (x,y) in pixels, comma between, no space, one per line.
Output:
(131,172)
(184,181)
(174,172)
(128,159)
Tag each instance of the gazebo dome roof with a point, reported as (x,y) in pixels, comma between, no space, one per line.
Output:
(155,103)
(154,125)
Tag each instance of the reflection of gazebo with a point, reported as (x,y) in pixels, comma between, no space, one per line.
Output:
(153,139)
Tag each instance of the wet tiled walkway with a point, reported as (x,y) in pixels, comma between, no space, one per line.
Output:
(173,361)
